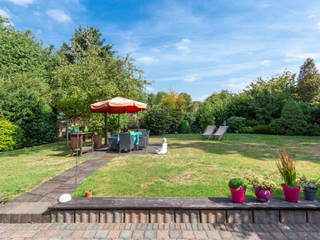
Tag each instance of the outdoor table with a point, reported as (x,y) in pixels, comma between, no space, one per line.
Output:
(134,135)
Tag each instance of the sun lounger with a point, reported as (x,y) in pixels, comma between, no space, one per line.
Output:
(209,131)
(220,132)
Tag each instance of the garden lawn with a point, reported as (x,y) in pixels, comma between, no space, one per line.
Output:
(24,169)
(197,167)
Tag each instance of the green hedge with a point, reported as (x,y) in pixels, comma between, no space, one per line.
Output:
(28,111)
(10,136)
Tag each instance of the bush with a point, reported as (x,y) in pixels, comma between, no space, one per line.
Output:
(236,123)
(293,119)
(37,120)
(185,127)
(277,127)
(263,129)
(157,120)
(314,130)
(246,130)
(237,183)
(10,135)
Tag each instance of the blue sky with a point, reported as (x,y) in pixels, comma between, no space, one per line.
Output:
(194,46)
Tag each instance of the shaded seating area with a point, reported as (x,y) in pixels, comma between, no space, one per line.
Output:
(134,139)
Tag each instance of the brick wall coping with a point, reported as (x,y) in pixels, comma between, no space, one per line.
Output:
(104,203)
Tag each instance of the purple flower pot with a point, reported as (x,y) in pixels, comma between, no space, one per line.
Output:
(263,195)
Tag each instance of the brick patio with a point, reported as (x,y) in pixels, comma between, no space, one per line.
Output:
(160,231)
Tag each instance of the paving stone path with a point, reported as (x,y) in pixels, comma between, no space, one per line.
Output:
(160,231)
(36,201)
(65,182)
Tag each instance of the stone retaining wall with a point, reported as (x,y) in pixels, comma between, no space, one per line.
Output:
(183,210)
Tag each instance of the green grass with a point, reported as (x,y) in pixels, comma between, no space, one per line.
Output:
(198,167)
(24,169)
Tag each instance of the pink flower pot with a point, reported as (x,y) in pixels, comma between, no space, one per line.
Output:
(263,195)
(238,196)
(291,194)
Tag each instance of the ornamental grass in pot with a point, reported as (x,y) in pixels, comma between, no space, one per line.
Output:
(263,187)
(238,189)
(286,167)
(310,187)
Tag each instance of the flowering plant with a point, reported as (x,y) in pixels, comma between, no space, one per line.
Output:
(311,183)
(263,182)
(75,125)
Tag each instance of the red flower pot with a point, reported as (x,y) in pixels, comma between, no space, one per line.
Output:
(291,194)
(238,196)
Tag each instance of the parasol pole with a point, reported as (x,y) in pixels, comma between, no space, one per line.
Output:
(107,128)
(119,122)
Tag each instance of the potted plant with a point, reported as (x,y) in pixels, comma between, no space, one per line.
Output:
(310,187)
(263,187)
(291,187)
(238,189)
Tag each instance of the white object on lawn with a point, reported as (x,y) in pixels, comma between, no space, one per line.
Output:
(164,147)
(65,198)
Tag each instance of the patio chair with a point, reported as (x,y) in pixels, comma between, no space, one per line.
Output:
(209,131)
(113,145)
(144,138)
(126,142)
(220,132)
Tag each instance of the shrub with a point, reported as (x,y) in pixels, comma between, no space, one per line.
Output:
(10,135)
(236,123)
(157,120)
(185,127)
(293,119)
(264,182)
(314,130)
(246,130)
(237,183)
(263,129)
(37,120)
(277,127)
(252,122)
(311,183)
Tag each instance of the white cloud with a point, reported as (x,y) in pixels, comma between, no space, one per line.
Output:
(203,97)
(4,13)
(22,2)
(146,60)
(58,15)
(318,25)
(265,5)
(238,83)
(183,45)
(291,57)
(265,62)
(312,16)
(190,78)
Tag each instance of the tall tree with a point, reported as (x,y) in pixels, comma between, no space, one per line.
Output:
(93,78)
(83,39)
(308,81)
